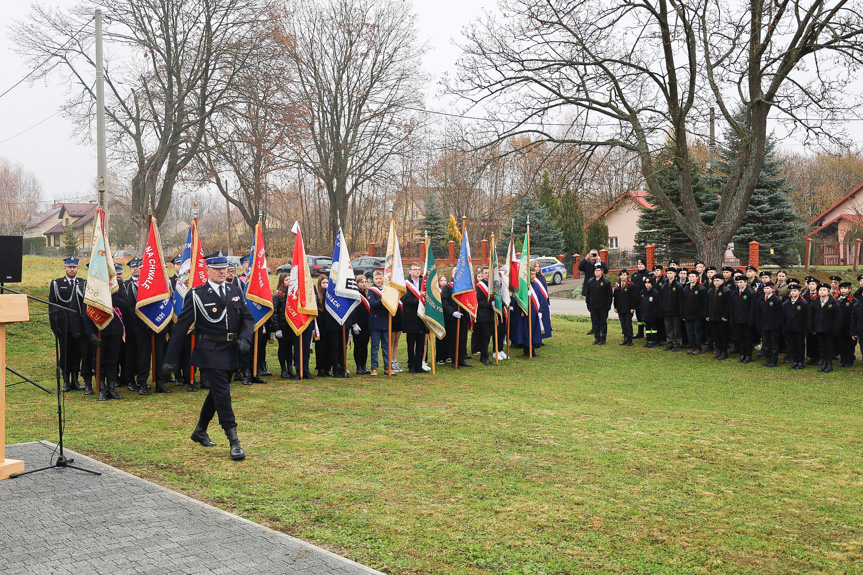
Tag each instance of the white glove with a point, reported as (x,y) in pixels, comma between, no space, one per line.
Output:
(456,314)
(540,315)
(356,327)
(511,308)
(279,334)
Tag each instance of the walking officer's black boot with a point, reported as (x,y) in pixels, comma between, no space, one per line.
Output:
(237,452)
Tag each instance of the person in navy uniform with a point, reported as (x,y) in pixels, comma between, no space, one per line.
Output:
(482,328)
(637,281)
(360,326)
(692,311)
(68,327)
(452,313)
(599,296)
(670,301)
(650,312)
(717,312)
(223,328)
(625,304)
(768,322)
(743,317)
(794,318)
(824,321)
(412,324)
(810,294)
(110,345)
(146,341)
(844,344)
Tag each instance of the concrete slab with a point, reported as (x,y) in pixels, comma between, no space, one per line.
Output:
(68,521)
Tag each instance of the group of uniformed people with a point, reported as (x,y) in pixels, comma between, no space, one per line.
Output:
(727,311)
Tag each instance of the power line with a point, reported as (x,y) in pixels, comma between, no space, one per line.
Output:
(40,122)
(46,60)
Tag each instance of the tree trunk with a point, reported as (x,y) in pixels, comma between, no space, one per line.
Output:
(711,249)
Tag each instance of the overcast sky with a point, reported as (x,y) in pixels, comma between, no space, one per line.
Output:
(67,169)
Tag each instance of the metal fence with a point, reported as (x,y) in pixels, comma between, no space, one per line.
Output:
(834,254)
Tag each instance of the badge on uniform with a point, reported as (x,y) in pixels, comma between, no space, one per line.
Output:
(215,310)
(235,298)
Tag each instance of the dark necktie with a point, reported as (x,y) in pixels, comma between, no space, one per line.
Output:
(222,293)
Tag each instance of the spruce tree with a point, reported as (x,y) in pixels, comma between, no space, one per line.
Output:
(546,238)
(546,196)
(70,242)
(435,224)
(571,222)
(453,232)
(596,236)
(770,218)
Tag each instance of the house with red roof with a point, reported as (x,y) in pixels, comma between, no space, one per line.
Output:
(835,230)
(77,216)
(621,217)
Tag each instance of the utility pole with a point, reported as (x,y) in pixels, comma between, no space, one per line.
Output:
(100,112)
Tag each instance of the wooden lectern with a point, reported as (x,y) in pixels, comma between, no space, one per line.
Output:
(13,309)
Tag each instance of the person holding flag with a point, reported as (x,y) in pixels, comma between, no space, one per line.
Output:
(223,328)
(300,307)
(526,323)
(430,308)
(482,329)
(104,303)
(392,289)
(463,296)
(259,299)
(153,311)
(342,298)
(412,324)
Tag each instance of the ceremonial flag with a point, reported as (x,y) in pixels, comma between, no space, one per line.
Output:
(259,297)
(509,275)
(193,267)
(394,274)
(463,285)
(154,305)
(430,309)
(523,294)
(300,306)
(101,277)
(342,293)
(495,286)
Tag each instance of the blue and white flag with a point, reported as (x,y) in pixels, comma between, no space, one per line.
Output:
(257,293)
(342,294)
(182,286)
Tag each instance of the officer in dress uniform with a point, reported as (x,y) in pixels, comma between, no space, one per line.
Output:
(68,327)
(144,338)
(223,328)
(111,346)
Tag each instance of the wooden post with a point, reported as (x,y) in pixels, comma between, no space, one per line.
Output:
(344,351)
(457,334)
(856,252)
(192,367)
(529,318)
(808,251)
(300,343)
(13,309)
(255,355)
(390,344)
(431,344)
(98,361)
(153,355)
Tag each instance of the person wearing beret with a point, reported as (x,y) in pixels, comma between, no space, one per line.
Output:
(142,346)
(743,316)
(843,342)
(825,321)
(624,301)
(810,294)
(599,296)
(717,313)
(794,320)
(694,301)
(223,327)
(650,311)
(701,271)
(752,277)
(768,322)
(858,293)
(728,277)
(834,285)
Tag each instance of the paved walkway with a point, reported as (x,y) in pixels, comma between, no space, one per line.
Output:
(560,306)
(64,521)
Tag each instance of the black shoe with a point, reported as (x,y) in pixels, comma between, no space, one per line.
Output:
(675,348)
(246,377)
(160,388)
(256,379)
(295,377)
(813,361)
(237,453)
(649,344)
(192,387)
(668,347)
(74,385)
(722,356)
(264,372)
(103,392)
(464,364)
(307,375)
(112,390)
(629,342)
(623,342)
(742,357)
(143,388)
(747,359)
(696,351)
(411,369)
(132,386)
(793,366)
(323,373)
(339,374)
(828,367)
(717,354)
(601,342)
(285,374)
(485,361)
(88,387)
(596,341)
(591,332)
(238,375)
(709,348)
(200,436)
(66,386)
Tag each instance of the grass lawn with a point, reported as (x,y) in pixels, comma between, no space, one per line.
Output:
(585,460)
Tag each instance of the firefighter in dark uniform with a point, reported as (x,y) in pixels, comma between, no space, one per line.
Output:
(625,303)
(637,281)
(743,316)
(768,323)
(825,321)
(111,346)
(717,314)
(146,341)
(223,328)
(68,327)
(794,320)
(844,344)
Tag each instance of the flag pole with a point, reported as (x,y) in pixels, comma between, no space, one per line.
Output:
(300,369)
(493,307)
(455,361)
(344,331)
(509,271)
(430,342)
(192,269)
(529,315)
(390,319)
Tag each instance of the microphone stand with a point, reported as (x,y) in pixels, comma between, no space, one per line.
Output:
(62,461)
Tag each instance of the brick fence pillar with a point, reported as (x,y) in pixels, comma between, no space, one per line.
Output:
(603,255)
(754,248)
(451,247)
(484,250)
(560,258)
(650,256)
(422,251)
(372,249)
(575,272)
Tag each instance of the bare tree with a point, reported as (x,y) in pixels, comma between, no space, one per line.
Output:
(356,68)
(169,68)
(20,197)
(639,73)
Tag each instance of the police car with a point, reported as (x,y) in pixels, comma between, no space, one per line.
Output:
(552,270)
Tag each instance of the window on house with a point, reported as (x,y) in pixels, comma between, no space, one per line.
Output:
(56,241)
(612,243)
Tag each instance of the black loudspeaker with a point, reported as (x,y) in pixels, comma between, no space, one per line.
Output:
(11,258)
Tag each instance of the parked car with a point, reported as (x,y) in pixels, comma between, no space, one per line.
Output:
(123,254)
(367,265)
(552,270)
(318,265)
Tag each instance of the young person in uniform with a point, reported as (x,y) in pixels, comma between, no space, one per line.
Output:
(378,322)
(717,314)
(743,317)
(768,322)
(692,311)
(844,344)
(825,321)
(650,311)
(412,324)
(794,320)
(360,326)
(598,297)
(670,301)
(638,286)
(285,336)
(625,305)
